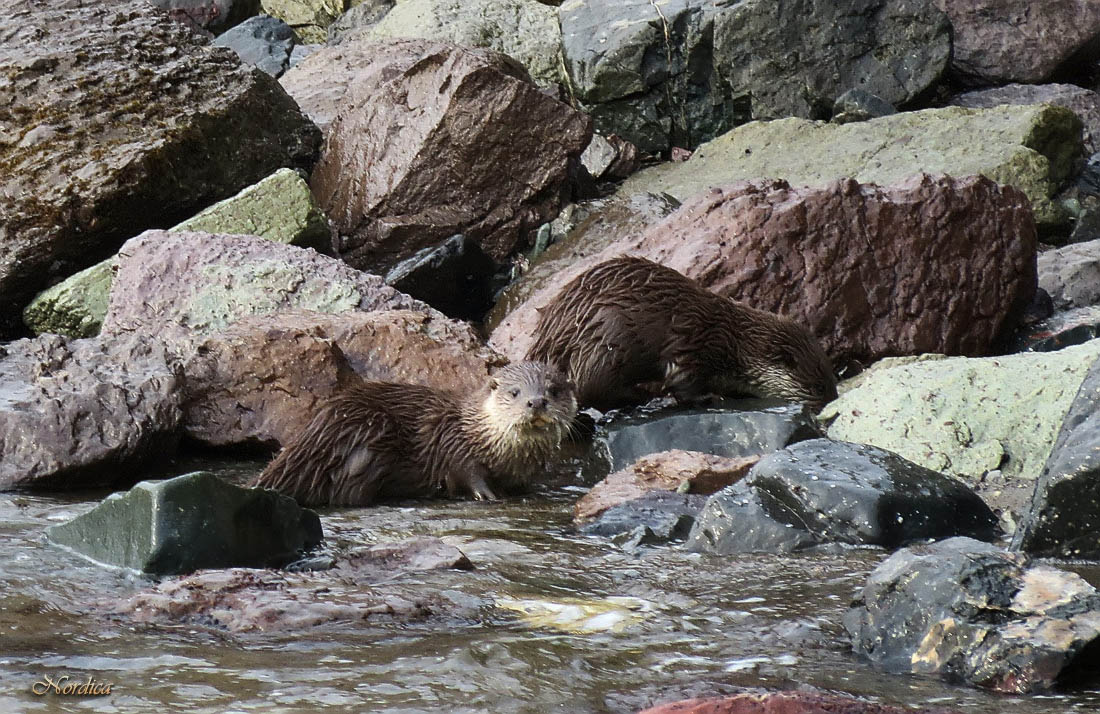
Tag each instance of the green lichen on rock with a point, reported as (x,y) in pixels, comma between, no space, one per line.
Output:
(309,18)
(1031,147)
(279,208)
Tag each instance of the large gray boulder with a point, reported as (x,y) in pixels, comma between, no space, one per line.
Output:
(1071,274)
(190,522)
(117,119)
(681,72)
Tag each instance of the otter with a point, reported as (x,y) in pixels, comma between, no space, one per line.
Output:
(381,440)
(629,329)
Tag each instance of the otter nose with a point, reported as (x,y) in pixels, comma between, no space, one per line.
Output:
(537,403)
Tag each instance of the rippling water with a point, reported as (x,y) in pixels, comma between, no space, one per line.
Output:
(705,625)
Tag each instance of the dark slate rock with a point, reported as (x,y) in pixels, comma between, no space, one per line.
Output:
(824,491)
(860,105)
(1064,520)
(454,277)
(263,41)
(972,612)
(656,517)
(749,427)
(190,522)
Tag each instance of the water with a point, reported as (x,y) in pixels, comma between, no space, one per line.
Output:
(688,625)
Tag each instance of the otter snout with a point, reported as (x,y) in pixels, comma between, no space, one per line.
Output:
(537,404)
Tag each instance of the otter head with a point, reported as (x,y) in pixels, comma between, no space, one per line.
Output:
(792,365)
(530,406)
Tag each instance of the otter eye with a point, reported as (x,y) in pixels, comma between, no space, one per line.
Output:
(514,392)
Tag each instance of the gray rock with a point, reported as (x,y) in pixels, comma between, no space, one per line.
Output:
(1064,520)
(1071,274)
(190,522)
(84,413)
(742,428)
(969,611)
(1083,102)
(678,73)
(263,41)
(822,491)
(656,517)
(860,105)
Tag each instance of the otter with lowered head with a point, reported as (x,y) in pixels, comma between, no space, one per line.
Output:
(382,440)
(629,323)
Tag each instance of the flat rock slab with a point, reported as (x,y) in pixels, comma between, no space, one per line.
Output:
(822,491)
(1085,103)
(930,264)
(84,413)
(181,284)
(969,417)
(785,703)
(191,522)
(116,119)
(969,611)
(744,429)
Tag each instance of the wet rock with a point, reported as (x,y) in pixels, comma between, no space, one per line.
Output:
(968,417)
(785,703)
(1032,147)
(118,119)
(651,519)
(358,18)
(611,157)
(526,31)
(1026,43)
(356,590)
(279,208)
(872,271)
(1071,274)
(674,470)
(860,105)
(970,611)
(822,491)
(1083,102)
(619,218)
(581,616)
(180,284)
(83,413)
(262,41)
(260,380)
(214,16)
(401,172)
(190,522)
(743,429)
(680,73)
(1064,519)
(309,18)
(1065,329)
(454,277)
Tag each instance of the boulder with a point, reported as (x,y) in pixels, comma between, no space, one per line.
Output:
(931,264)
(679,73)
(610,157)
(190,522)
(1064,519)
(1031,147)
(969,611)
(969,417)
(84,413)
(177,285)
(261,379)
(654,518)
(117,119)
(525,30)
(208,16)
(1026,43)
(263,41)
(1083,102)
(785,703)
(741,428)
(279,208)
(432,139)
(822,491)
(673,470)
(309,18)
(1071,274)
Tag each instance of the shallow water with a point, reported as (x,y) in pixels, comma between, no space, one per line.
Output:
(699,625)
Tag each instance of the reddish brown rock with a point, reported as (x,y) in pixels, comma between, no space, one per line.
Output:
(431,139)
(999,41)
(261,379)
(664,471)
(177,285)
(932,264)
(114,118)
(785,703)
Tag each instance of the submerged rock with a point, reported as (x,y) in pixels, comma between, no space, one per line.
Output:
(971,612)
(118,119)
(823,491)
(653,518)
(190,522)
(785,703)
(84,413)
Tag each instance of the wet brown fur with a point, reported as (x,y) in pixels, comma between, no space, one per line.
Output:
(383,440)
(629,322)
